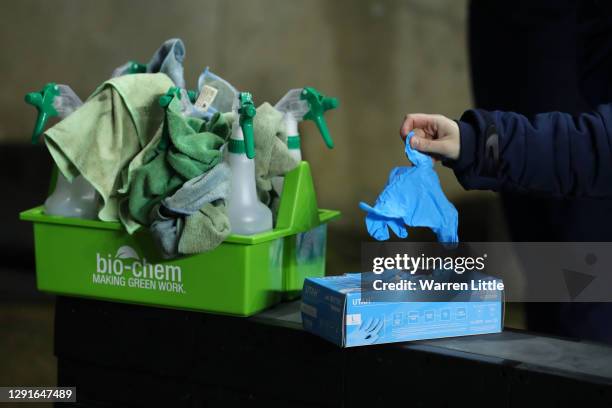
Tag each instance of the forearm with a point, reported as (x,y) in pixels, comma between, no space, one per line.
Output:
(552,154)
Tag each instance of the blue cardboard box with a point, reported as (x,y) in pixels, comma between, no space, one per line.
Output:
(333,308)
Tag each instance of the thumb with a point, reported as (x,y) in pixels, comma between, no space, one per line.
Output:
(430,146)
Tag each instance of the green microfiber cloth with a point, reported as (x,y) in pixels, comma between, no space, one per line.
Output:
(187,148)
(103,136)
(201,231)
(205,229)
(207,225)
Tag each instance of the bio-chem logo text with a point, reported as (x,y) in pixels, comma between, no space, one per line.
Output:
(126,268)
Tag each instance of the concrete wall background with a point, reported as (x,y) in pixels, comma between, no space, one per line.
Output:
(382,59)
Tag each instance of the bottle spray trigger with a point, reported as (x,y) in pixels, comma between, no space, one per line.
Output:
(319,104)
(247,112)
(43,102)
(136,68)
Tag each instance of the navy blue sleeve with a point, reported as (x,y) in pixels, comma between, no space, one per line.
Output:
(552,154)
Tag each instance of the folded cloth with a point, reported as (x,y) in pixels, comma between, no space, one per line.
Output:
(187,217)
(206,188)
(187,149)
(166,230)
(413,196)
(205,229)
(101,138)
(199,232)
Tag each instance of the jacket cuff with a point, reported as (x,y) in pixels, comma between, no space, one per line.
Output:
(467,149)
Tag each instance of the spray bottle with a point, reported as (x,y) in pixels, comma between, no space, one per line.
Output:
(78,199)
(297,105)
(305,104)
(247,215)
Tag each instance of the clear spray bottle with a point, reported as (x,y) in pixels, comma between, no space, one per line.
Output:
(247,215)
(78,199)
(303,104)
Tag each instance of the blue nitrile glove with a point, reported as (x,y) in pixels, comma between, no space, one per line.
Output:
(368,332)
(413,196)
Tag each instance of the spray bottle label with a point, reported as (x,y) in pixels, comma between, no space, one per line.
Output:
(206,97)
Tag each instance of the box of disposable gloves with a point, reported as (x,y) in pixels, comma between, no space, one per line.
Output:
(359,309)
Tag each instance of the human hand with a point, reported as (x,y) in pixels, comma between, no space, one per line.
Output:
(435,135)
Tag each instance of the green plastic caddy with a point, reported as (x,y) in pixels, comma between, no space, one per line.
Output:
(242,276)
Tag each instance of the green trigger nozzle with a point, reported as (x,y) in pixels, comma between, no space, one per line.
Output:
(247,112)
(319,104)
(136,68)
(43,102)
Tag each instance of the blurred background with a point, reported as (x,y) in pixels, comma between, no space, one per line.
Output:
(382,59)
